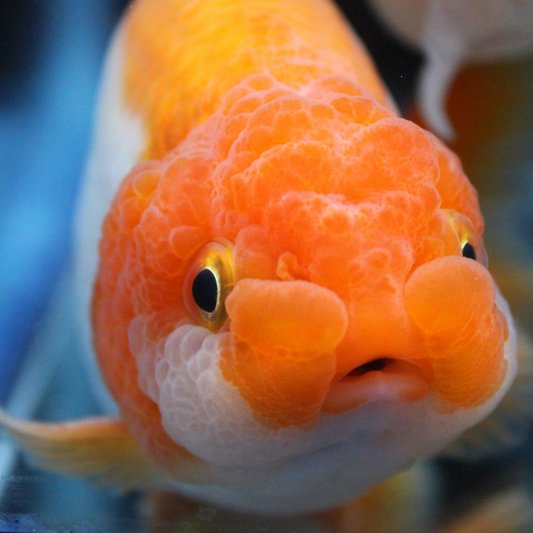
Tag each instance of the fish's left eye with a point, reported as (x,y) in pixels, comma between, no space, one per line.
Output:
(469,251)
(208,282)
(471,242)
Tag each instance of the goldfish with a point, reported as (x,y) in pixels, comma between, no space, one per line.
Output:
(289,295)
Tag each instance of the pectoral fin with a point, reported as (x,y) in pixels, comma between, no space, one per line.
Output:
(510,422)
(100,449)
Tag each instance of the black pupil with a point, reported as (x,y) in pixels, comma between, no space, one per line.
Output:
(468,251)
(205,290)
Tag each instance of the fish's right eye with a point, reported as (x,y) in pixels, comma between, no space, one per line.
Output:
(207,284)
(471,242)
(205,290)
(469,251)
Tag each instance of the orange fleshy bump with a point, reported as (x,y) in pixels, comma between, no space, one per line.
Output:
(452,301)
(296,316)
(445,295)
(473,368)
(281,357)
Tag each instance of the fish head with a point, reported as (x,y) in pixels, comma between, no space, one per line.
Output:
(304,273)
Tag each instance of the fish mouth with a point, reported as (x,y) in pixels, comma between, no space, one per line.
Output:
(372,366)
(381,379)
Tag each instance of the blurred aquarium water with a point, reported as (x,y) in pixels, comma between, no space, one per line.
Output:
(51,53)
(50,57)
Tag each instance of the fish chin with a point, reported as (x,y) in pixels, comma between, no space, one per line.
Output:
(258,468)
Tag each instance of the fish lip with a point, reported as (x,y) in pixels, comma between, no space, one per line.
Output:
(380,379)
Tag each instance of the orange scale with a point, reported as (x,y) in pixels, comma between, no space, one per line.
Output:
(440,227)
(154,293)
(250,86)
(251,102)
(185,188)
(361,110)
(389,155)
(256,139)
(253,256)
(233,127)
(129,213)
(239,192)
(338,221)
(159,324)
(305,166)
(430,248)
(147,178)
(328,86)
(294,218)
(287,119)
(153,239)
(228,223)
(185,241)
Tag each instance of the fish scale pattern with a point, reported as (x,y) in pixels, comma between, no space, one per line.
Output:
(295,41)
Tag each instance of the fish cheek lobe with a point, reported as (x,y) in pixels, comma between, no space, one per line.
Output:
(280,355)
(451,299)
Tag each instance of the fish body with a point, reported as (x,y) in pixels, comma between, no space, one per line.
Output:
(290,301)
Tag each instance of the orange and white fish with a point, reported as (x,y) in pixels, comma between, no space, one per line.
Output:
(291,300)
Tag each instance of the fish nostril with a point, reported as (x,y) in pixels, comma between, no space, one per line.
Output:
(372,366)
